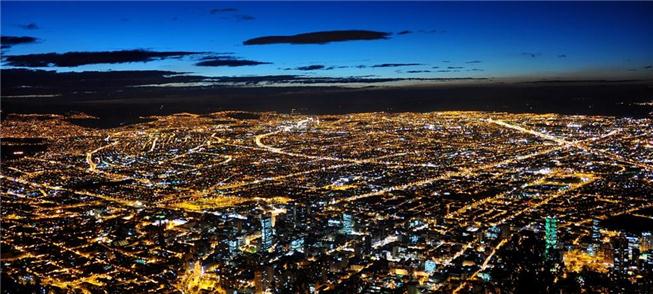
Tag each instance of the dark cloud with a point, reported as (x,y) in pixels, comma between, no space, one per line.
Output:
(475,69)
(433,31)
(222,10)
(436,67)
(648,67)
(474,61)
(395,64)
(311,67)
(30,26)
(229,14)
(454,67)
(405,32)
(334,67)
(562,55)
(8,41)
(319,37)
(50,81)
(245,17)
(227,61)
(418,71)
(17,82)
(531,54)
(317,67)
(72,59)
(445,61)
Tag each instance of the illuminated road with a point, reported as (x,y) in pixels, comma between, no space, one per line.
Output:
(572,144)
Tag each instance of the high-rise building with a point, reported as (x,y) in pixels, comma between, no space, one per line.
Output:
(550,235)
(297,245)
(646,242)
(620,255)
(429,266)
(596,233)
(347,224)
(633,247)
(596,238)
(266,232)
(233,246)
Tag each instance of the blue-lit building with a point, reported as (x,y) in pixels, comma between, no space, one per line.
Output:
(297,245)
(266,232)
(347,224)
(550,235)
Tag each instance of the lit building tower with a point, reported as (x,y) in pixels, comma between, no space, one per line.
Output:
(550,235)
(347,224)
(596,238)
(266,232)
(596,232)
(633,247)
(620,256)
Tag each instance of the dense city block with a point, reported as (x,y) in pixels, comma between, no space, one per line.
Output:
(462,202)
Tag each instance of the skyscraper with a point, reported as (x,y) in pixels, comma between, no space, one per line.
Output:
(347,224)
(297,245)
(596,238)
(596,231)
(550,235)
(266,232)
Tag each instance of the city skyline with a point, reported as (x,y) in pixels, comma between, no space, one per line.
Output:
(326,147)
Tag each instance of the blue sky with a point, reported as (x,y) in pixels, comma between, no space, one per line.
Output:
(528,40)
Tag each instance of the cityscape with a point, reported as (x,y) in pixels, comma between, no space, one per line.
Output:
(247,202)
(332,147)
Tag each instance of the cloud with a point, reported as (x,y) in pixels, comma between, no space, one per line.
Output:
(473,61)
(222,10)
(316,67)
(8,41)
(20,82)
(230,12)
(405,32)
(475,69)
(432,31)
(395,64)
(562,55)
(227,61)
(454,67)
(244,17)
(648,67)
(418,71)
(310,67)
(50,81)
(319,37)
(30,26)
(73,59)
(531,54)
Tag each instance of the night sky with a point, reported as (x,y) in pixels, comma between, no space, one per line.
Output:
(386,40)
